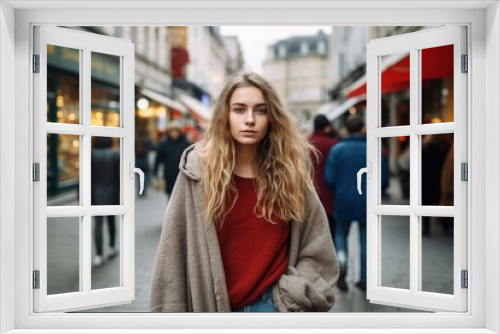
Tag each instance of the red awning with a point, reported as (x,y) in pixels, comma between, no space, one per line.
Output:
(436,63)
(196,109)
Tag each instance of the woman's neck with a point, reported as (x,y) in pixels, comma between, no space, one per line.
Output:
(246,160)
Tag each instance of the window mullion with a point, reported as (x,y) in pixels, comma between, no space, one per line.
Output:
(85,110)
(67,129)
(127,221)
(373,219)
(415,249)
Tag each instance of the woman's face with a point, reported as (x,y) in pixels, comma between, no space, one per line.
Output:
(248,119)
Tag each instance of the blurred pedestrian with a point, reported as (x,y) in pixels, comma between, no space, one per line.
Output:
(104,190)
(447,189)
(323,139)
(169,153)
(434,149)
(245,230)
(344,160)
(143,146)
(403,170)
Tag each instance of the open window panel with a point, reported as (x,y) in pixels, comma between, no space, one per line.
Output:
(83,144)
(430,148)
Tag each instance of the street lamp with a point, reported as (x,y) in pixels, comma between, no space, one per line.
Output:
(143,103)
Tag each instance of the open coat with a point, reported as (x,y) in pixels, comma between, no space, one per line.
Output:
(189,274)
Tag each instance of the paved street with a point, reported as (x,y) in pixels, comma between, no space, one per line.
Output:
(437,259)
(149,216)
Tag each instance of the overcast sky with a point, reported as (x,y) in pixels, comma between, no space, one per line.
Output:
(254,40)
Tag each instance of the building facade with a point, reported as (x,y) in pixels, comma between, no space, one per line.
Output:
(208,59)
(298,68)
(235,61)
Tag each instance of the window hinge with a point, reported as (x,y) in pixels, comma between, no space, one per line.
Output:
(36,172)
(36,63)
(465,64)
(464,171)
(36,279)
(465,279)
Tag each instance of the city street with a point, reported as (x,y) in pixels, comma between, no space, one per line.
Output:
(437,260)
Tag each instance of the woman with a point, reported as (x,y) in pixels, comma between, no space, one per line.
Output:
(245,230)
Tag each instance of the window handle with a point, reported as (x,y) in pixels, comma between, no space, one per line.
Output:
(368,171)
(141,175)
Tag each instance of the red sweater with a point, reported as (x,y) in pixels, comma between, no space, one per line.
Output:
(254,251)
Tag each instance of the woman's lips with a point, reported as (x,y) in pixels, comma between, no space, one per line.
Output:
(248,133)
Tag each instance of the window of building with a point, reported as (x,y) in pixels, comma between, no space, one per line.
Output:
(135,31)
(321,47)
(323,93)
(304,48)
(282,50)
(119,32)
(342,66)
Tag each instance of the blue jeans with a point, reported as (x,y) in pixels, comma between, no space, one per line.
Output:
(264,303)
(341,234)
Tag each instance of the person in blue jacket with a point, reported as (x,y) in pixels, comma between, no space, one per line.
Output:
(342,165)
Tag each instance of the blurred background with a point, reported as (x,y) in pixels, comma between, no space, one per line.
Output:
(180,70)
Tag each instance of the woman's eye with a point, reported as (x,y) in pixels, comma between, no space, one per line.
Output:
(239,110)
(261,111)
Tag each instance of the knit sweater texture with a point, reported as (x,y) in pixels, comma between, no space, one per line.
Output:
(189,275)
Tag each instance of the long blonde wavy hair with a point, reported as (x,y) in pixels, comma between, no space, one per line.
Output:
(284,177)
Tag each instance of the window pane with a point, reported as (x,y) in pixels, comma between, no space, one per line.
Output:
(63,255)
(395,244)
(437,84)
(63,85)
(105,171)
(105,88)
(395,83)
(105,252)
(395,171)
(437,169)
(437,254)
(63,169)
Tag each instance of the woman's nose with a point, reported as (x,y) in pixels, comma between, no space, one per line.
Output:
(250,119)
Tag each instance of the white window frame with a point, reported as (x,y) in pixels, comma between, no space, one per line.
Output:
(85,43)
(413,44)
(483,21)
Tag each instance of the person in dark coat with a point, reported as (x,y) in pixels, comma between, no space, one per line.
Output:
(105,190)
(169,154)
(447,189)
(323,139)
(344,161)
(434,150)
(143,145)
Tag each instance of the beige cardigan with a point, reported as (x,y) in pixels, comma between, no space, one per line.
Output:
(189,274)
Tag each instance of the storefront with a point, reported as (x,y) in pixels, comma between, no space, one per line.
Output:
(63,106)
